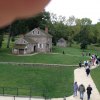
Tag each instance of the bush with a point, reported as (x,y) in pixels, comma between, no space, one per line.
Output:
(84,45)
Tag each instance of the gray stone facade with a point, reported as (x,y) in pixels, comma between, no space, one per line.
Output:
(36,40)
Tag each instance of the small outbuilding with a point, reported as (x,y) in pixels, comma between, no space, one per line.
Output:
(61,42)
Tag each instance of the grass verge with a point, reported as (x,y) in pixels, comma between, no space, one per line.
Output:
(49,81)
(95,75)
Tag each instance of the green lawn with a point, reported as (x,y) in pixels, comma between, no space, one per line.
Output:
(72,56)
(95,75)
(77,51)
(52,81)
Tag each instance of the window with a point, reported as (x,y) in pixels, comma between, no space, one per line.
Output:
(47,46)
(40,45)
(38,32)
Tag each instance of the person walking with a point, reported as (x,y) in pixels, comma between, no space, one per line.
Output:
(81,89)
(89,89)
(87,70)
(63,52)
(80,64)
(75,87)
(89,54)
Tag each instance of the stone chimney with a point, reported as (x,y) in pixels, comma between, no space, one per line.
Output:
(46,29)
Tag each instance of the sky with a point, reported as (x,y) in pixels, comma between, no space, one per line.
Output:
(77,8)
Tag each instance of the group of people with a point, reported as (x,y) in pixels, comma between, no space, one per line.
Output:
(94,59)
(81,89)
(86,65)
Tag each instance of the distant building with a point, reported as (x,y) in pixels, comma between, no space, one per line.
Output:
(61,42)
(36,40)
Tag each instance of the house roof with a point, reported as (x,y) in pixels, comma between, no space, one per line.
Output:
(30,40)
(21,41)
(42,33)
(61,40)
(25,40)
(47,34)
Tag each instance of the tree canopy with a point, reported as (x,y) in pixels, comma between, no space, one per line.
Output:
(72,29)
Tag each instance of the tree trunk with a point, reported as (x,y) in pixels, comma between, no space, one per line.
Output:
(9,37)
(8,43)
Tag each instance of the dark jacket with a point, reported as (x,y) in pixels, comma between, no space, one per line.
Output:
(89,89)
(87,70)
(80,64)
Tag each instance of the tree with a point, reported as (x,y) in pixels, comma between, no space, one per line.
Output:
(1,38)
(41,20)
(86,21)
(16,28)
(83,44)
(71,29)
(2,32)
(97,32)
(71,21)
(84,31)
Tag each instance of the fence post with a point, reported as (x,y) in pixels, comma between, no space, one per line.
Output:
(64,98)
(14,97)
(17,91)
(30,93)
(3,91)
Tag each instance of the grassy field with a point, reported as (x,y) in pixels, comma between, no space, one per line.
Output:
(72,56)
(53,81)
(95,75)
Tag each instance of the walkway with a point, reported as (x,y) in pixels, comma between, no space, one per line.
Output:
(37,64)
(79,76)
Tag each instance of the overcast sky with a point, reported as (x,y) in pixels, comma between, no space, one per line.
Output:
(78,8)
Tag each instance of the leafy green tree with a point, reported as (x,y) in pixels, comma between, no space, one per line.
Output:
(97,32)
(16,28)
(83,45)
(41,20)
(1,39)
(2,32)
(71,21)
(86,21)
(71,29)
(84,31)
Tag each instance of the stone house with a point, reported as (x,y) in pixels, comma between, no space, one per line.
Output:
(36,40)
(61,42)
